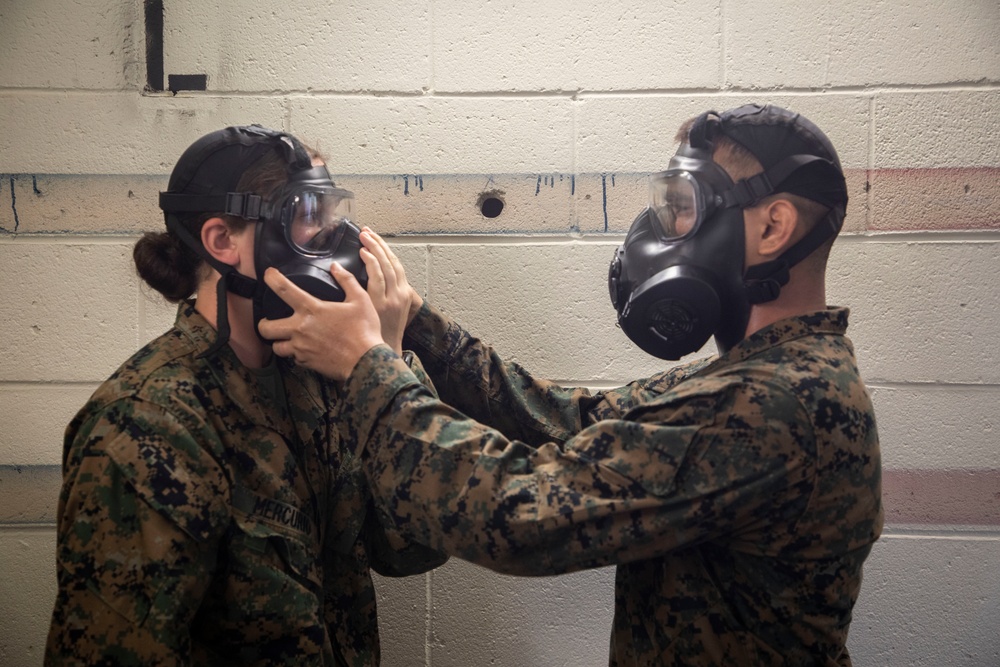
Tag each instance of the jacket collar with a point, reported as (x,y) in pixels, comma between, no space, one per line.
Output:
(302,387)
(832,320)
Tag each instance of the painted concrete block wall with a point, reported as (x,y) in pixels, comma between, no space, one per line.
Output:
(560,109)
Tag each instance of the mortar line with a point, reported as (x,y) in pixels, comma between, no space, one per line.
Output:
(986,387)
(827,59)
(935,386)
(428,602)
(945,534)
(583,238)
(954,86)
(16,385)
(529,238)
(723,47)
(427,272)
(140,315)
(541,238)
(287,107)
(433,44)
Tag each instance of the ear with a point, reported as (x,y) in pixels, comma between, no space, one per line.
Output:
(219,242)
(778,224)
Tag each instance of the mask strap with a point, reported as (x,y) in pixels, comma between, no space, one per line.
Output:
(748,191)
(295,153)
(221,317)
(244,205)
(292,150)
(698,135)
(231,281)
(763,282)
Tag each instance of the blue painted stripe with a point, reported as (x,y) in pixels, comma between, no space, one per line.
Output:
(604,198)
(13,203)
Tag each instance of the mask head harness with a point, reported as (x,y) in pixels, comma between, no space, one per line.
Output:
(679,278)
(301,228)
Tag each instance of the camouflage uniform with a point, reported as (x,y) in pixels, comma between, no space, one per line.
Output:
(738,496)
(203,520)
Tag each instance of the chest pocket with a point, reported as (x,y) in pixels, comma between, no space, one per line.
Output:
(665,437)
(273,552)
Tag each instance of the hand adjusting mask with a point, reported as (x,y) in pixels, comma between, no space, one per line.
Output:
(302,228)
(678,278)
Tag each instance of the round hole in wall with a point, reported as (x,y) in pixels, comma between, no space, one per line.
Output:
(491,206)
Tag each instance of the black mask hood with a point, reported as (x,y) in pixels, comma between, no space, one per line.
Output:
(679,278)
(205,180)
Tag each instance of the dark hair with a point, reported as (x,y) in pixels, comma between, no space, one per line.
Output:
(173,269)
(740,163)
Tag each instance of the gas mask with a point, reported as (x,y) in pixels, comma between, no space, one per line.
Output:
(302,231)
(678,278)
(302,228)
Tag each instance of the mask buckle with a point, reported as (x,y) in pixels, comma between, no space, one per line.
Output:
(243,205)
(748,191)
(763,282)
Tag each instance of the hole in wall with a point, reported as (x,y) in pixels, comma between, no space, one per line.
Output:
(490,204)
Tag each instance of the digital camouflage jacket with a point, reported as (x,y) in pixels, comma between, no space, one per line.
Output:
(739,497)
(205,521)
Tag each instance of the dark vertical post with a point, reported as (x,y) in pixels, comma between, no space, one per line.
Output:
(154,45)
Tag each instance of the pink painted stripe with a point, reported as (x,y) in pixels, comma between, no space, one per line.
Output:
(942,497)
(947,198)
(971,497)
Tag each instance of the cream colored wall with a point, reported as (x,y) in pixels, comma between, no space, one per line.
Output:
(559,108)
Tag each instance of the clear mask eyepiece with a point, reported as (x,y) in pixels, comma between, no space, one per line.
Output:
(315,221)
(677,202)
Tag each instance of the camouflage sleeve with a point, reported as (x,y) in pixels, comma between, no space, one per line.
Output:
(685,469)
(392,555)
(472,377)
(417,368)
(140,514)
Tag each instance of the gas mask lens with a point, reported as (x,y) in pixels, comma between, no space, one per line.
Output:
(317,220)
(674,201)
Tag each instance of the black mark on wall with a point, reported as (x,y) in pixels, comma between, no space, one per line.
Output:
(13,204)
(418,181)
(491,207)
(604,198)
(177,82)
(154,45)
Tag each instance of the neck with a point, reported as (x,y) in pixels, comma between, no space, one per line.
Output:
(803,294)
(250,350)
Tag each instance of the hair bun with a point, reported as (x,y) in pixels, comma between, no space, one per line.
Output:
(166,265)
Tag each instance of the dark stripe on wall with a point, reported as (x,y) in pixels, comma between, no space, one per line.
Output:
(179,82)
(154,45)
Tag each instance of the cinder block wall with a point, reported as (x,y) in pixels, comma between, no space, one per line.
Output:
(559,109)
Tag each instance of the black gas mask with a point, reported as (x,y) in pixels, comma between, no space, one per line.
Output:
(302,228)
(678,278)
(302,231)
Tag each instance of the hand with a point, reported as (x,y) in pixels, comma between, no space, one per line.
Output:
(390,293)
(325,336)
